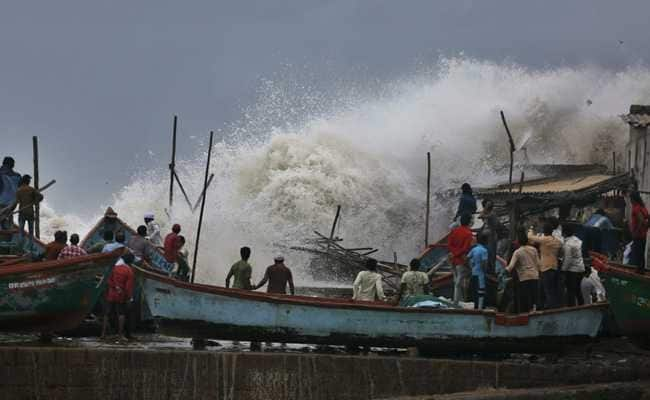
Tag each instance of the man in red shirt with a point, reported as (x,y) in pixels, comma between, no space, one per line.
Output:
(639,230)
(459,243)
(172,244)
(119,293)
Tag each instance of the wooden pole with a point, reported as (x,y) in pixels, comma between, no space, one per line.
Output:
(336,220)
(205,183)
(37,207)
(614,163)
(428,211)
(172,166)
(512,149)
(198,201)
(180,185)
(521,182)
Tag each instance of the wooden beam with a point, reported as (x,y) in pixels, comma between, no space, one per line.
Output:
(512,148)
(428,206)
(205,184)
(198,201)
(37,207)
(180,185)
(172,166)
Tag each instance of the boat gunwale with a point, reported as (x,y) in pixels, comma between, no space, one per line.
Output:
(612,268)
(54,265)
(345,303)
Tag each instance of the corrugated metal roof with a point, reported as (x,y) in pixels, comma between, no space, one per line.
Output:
(637,120)
(574,183)
(564,185)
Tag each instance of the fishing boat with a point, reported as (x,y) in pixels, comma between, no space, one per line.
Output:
(52,296)
(111,222)
(628,293)
(210,312)
(14,248)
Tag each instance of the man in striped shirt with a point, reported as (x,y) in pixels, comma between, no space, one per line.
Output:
(73,249)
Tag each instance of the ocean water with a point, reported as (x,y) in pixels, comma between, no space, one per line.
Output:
(298,152)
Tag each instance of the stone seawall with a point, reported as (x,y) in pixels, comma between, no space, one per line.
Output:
(99,374)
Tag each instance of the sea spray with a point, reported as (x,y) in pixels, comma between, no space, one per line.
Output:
(297,153)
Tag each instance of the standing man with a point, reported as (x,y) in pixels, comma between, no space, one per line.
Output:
(119,293)
(9,181)
(241,271)
(26,198)
(459,243)
(526,260)
(153,230)
(120,238)
(639,230)
(172,244)
(278,276)
(367,286)
(467,202)
(478,260)
(53,249)
(549,247)
(138,244)
(73,249)
(491,226)
(573,265)
(414,282)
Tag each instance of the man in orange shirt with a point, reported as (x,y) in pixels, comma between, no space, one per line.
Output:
(53,249)
(459,243)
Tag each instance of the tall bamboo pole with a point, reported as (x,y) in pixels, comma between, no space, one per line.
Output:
(426,218)
(336,220)
(512,149)
(205,184)
(172,166)
(37,207)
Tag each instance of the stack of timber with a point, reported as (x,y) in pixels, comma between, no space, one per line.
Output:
(332,261)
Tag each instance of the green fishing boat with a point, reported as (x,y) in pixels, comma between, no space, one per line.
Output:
(52,296)
(628,293)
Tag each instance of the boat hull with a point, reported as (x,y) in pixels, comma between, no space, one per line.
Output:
(629,296)
(202,311)
(51,296)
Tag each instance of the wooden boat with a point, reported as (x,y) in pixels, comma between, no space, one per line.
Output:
(14,249)
(52,295)
(110,222)
(628,293)
(202,312)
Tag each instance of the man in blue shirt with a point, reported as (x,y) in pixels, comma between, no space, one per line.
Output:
(467,202)
(9,181)
(478,259)
(600,220)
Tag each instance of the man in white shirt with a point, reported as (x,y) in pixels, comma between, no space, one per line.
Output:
(367,286)
(153,230)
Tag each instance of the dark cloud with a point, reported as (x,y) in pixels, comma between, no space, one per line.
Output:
(99,81)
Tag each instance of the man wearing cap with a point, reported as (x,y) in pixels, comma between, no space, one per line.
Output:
(277,275)
(9,181)
(153,230)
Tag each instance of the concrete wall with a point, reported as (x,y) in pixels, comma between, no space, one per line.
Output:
(92,374)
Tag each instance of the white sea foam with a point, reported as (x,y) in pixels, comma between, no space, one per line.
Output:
(280,172)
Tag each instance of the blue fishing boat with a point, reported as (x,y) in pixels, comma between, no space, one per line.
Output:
(210,312)
(110,222)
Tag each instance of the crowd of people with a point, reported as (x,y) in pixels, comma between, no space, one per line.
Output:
(542,268)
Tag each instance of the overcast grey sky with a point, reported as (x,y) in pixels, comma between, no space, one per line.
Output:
(98,82)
